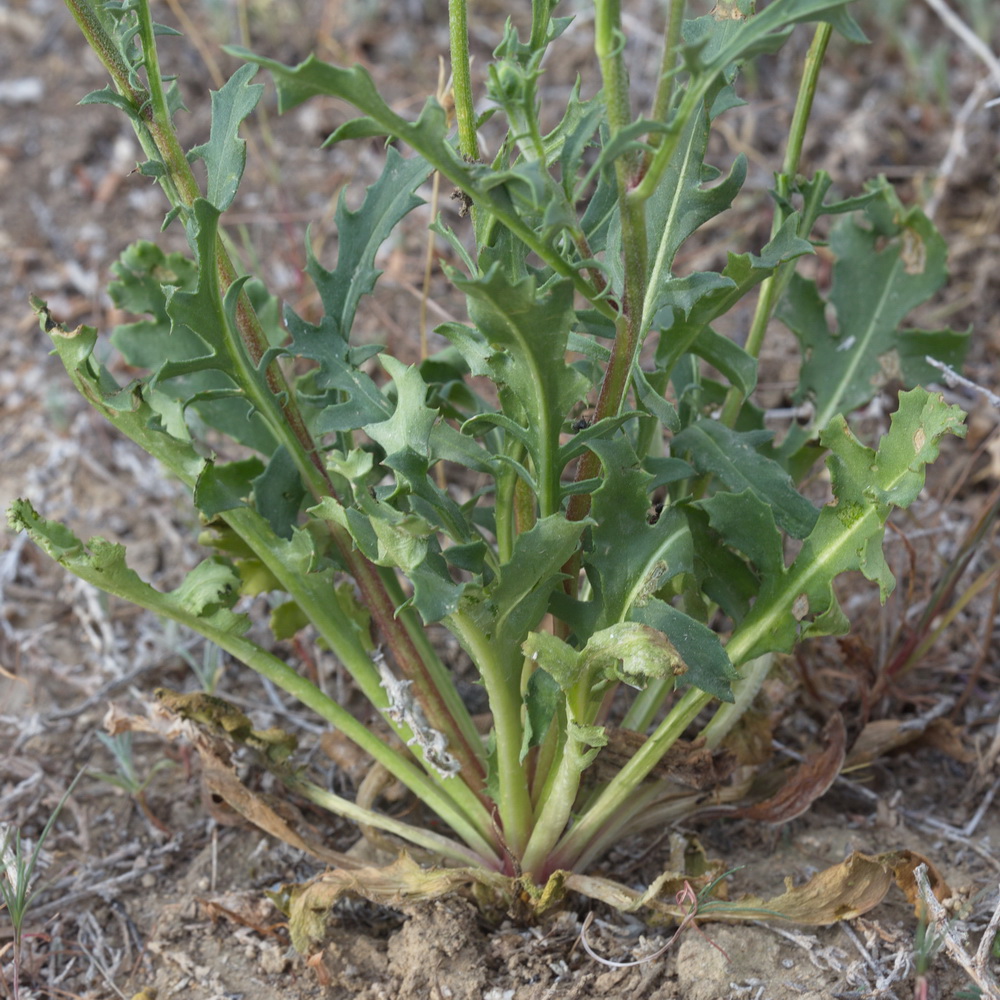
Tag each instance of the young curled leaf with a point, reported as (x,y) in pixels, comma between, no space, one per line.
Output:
(632,653)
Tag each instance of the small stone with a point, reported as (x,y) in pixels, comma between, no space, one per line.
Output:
(274,959)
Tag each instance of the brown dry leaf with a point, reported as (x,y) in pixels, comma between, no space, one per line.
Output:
(751,738)
(628,900)
(315,962)
(809,781)
(403,880)
(842,892)
(885,735)
(277,817)
(944,735)
(118,721)
(904,864)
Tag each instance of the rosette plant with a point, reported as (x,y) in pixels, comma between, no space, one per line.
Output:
(576,484)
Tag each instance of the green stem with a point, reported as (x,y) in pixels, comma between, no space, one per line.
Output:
(668,67)
(620,790)
(647,703)
(434,842)
(609,46)
(90,23)
(500,670)
(546,758)
(773,286)
(803,109)
(618,827)
(161,126)
(541,14)
(442,681)
(461,79)
(557,798)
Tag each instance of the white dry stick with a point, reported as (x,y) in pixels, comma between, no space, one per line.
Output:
(956,146)
(952,378)
(955,940)
(971,39)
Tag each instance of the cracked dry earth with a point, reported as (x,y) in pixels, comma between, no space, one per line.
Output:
(167,893)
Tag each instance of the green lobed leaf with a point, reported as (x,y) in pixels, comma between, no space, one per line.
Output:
(350,398)
(800,602)
(733,33)
(882,272)
(734,459)
(722,575)
(278,493)
(126,407)
(226,486)
(362,232)
(531,328)
(706,664)
(654,402)
(684,307)
(629,558)
(747,523)
(205,595)
(225,153)
(739,367)
(681,205)
(514,603)
(182,341)
(406,437)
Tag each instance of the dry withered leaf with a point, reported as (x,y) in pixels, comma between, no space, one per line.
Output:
(215,746)
(315,962)
(842,892)
(808,782)
(885,735)
(277,817)
(403,880)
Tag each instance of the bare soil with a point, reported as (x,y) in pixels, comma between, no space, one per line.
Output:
(168,893)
